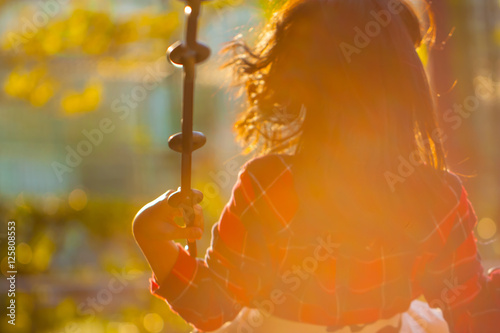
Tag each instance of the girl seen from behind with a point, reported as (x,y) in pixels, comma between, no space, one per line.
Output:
(321,233)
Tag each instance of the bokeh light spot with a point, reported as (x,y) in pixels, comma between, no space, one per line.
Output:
(153,322)
(50,204)
(127,328)
(23,321)
(77,199)
(66,309)
(42,253)
(486,228)
(24,253)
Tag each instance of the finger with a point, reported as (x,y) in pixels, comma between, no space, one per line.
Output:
(169,192)
(193,217)
(164,196)
(194,214)
(191,233)
(163,207)
(199,220)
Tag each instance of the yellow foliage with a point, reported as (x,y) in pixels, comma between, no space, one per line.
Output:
(23,322)
(162,26)
(42,93)
(90,32)
(34,86)
(96,44)
(126,32)
(496,35)
(81,102)
(14,84)
(88,100)
(24,253)
(219,4)
(75,35)
(92,96)
(51,42)
(66,309)
(76,30)
(98,36)
(42,253)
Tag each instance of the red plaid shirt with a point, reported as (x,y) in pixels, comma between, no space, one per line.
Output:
(251,262)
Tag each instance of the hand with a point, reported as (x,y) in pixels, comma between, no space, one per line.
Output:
(154,230)
(155,222)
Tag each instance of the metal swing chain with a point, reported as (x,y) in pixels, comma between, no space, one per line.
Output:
(187,54)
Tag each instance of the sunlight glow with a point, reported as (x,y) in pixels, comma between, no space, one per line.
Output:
(486,228)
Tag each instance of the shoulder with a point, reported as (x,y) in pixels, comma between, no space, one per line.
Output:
(453,183)
(441,187)
(446,213)
(270,181)
(267,169)
(272,161)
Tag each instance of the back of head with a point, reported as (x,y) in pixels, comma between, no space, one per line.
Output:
(340,85)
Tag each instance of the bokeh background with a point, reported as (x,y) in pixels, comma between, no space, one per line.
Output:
(87,103)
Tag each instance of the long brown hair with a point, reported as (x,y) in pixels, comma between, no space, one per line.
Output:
(339,85)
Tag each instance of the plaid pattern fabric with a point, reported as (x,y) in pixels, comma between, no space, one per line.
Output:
(254,261)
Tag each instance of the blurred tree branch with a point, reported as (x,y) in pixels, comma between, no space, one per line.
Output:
(43,41)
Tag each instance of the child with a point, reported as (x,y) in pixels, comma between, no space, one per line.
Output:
(323,232)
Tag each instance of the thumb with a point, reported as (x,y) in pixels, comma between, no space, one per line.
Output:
(192,233)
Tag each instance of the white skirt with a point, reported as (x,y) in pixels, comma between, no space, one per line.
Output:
(419,318)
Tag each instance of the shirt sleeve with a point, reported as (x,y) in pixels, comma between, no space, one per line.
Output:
(207,293)
(454,278)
